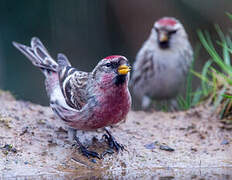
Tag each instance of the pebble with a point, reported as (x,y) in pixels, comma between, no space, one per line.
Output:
(224,142)
(166,148)
(150,146)
(93,160)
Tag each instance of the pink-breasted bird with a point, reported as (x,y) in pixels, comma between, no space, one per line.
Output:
(84,100)
(162,64)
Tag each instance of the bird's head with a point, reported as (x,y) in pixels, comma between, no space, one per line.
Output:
(112,70)
(168,30)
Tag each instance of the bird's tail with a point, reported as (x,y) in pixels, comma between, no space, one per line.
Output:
(38,55)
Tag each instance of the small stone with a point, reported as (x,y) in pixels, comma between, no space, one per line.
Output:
(166,177)
(150,146)
(93,160)
(8,148)
(14,150)
(166,148)
(24,130)
(192,126)
(224,142)
(40,112)
(193,149)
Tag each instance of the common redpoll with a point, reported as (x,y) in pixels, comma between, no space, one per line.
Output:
(162,63)
(84,101)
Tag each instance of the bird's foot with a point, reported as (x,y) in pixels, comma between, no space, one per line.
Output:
(84,151)
(113,144)
(88,153)
(108,151)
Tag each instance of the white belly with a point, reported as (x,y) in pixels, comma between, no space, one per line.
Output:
(166,84)
(166,81)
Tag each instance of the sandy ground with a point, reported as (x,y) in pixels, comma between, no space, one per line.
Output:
(190,145)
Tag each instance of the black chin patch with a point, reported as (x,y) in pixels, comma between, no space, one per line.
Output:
(120,79)
(164,45)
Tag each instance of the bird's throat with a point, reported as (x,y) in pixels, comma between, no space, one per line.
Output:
(164,45)
(120,79)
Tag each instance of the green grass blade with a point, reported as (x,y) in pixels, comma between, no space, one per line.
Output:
(212,52)
(204,74)
(226,53)
(229,42)
(229,15)
(181,102)
(220,33)
(219,98)
(227,96)
(197,97)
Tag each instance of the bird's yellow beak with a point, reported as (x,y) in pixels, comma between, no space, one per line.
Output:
(163,37)
(123,69)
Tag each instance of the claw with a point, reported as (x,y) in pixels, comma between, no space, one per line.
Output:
(85,151)
(113,144)
(88,153)
(108,151)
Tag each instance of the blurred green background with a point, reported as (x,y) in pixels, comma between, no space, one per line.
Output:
(88,30)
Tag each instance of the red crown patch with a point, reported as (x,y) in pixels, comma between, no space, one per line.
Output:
(167,22)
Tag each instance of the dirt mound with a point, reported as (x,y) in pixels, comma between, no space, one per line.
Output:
(34,143)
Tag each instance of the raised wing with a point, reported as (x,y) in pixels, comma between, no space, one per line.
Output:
(38,55)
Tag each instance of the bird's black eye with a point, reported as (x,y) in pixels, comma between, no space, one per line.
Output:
(108,64)
(172,32)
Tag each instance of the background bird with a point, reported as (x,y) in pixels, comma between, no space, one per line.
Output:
(162,64)
(84,101)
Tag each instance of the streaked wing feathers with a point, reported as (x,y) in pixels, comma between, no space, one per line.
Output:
(143,67)
(73,85)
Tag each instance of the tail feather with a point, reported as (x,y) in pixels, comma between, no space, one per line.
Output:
(62,60)
(38,55)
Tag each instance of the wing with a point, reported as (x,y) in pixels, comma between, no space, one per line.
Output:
(38,55)
(187,56)
(143,67)
(73,83)
(185,59)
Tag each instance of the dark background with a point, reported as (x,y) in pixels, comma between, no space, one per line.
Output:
(88,30)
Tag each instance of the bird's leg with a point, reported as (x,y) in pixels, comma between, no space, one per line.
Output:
(146,102)
(72,136)
(85,151)
(113,144)
(174,105)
